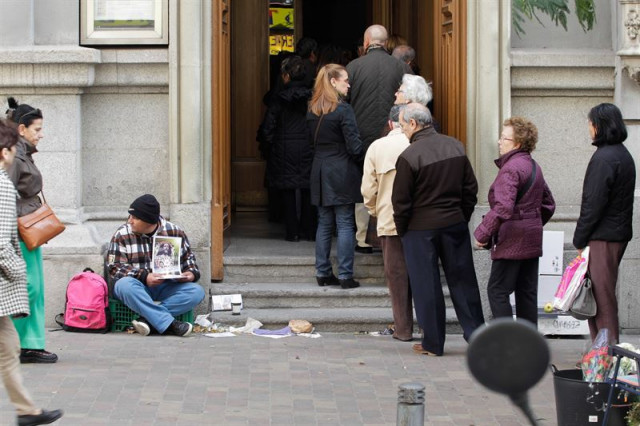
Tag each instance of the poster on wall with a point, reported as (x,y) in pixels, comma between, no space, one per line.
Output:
(117,22)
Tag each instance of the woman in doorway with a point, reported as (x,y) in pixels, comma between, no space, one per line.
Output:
(285,135)
(14,298)
(28,181)
(606,212)
(521,203)
(336,174)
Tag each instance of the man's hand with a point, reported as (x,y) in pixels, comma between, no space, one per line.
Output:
(187,277)
(580,252)
(154,279)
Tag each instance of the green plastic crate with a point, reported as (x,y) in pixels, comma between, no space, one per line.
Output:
(122,315)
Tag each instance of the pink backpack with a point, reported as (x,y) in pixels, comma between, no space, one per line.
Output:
(87,306)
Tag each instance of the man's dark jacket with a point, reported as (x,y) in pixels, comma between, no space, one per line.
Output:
(435,186)
(374,78)
(335,173)
(606,212)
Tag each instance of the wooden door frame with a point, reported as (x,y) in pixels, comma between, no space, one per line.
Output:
(221,135)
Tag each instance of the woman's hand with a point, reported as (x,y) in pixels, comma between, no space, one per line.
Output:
(481,245)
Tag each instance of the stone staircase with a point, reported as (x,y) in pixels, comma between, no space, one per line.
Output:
(277,287)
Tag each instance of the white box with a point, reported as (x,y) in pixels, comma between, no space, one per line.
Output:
(552,253)
(561,325)
(547,286)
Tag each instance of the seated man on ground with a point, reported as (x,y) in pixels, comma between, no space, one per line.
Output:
(137,286)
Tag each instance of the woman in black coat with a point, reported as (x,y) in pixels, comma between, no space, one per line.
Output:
(606,213)
(284,139)
(336,174)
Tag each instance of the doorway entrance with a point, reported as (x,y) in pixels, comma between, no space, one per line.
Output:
(435,28)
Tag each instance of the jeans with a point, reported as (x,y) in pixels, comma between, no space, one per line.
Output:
(344,219)
(175,299)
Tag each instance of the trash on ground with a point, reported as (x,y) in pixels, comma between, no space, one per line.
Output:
(249,326)
(300,326)
(222,334)
(274,334)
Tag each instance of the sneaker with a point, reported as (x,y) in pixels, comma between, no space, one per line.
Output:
(179,328)
(43,418)
(142,326)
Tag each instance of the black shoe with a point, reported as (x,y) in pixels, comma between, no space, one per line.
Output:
(349,283)
(43,418)
(330,280)
(37,356)
(179,328)
(364,250)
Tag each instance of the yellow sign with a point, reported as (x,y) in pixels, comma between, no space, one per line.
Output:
(281,42)
(280,18)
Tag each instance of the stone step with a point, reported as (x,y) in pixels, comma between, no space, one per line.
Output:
(309,295)
(351,320)
(300,268)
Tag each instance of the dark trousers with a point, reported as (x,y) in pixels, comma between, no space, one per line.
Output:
(604,261)
(395,273)
(519,276)
(452,245)
(305,226)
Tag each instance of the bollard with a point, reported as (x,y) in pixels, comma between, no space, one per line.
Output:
(410,405)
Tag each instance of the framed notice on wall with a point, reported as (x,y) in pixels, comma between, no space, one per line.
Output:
(124,22)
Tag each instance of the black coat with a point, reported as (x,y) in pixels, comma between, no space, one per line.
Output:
(284,138)
(606,213)
(374,78)
(336,173)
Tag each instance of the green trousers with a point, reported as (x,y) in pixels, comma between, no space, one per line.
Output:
(31,329)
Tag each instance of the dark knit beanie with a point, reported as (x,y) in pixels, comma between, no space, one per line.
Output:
(145,208)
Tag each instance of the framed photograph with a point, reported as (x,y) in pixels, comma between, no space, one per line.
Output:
(129,23)
(165,258)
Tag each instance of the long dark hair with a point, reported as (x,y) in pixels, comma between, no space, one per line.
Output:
(608,123)
(22,113)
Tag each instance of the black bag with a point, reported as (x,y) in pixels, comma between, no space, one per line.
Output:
(584,306)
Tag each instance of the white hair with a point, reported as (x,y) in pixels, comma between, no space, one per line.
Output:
(416,89)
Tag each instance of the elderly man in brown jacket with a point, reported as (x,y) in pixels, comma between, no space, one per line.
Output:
(434,194)
(377,185)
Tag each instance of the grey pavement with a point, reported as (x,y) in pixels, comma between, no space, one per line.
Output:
(337,379)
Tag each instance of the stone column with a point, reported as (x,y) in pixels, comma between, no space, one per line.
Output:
(190,124)
(627,94)
(488,103)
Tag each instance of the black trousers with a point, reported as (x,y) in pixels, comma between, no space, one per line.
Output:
(452,245)
(306,225)
(519,276)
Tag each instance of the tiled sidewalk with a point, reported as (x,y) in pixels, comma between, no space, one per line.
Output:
(338,379)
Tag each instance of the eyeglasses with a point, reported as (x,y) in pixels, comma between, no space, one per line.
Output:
(399,91)
(502,138)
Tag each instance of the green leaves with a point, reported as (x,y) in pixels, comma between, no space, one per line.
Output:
(557,10)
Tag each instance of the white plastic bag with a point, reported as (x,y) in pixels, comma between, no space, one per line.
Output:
(571,280)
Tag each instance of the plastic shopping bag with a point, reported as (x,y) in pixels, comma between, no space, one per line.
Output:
(571,281)
(597,362)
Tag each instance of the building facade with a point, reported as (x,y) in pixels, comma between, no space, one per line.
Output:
(123,121)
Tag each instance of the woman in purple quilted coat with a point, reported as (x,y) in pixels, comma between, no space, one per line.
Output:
(521,203)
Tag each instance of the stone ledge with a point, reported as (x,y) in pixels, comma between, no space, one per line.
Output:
(49,55)
(569,58)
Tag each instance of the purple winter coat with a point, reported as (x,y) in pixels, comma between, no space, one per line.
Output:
(518,227)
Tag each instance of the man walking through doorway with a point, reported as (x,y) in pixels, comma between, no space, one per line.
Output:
(374,78)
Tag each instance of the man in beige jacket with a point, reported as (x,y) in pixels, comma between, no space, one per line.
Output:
(377,185)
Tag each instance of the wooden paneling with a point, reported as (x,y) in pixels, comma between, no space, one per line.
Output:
(221,113)
(450,78)
(249,83)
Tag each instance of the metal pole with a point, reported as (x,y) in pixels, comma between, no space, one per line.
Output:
(410,405)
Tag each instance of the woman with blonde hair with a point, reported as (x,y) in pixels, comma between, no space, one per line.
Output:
(335,173)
